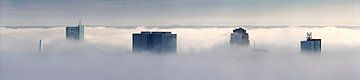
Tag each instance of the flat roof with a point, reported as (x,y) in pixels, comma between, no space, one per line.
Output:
(154,32)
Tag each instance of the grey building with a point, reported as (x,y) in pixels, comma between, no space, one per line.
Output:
(155,42)
(239,37)
(310,45)
(75,33)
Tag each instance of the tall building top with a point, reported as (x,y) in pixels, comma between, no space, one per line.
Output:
(239,30)
(315,39)
(155,32)
(80,22)
(239,37)
(309,35)
(310,45)
(155,42)
(145,32)
(75,32)
(161,32)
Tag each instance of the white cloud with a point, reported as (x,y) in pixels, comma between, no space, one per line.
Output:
(203,54)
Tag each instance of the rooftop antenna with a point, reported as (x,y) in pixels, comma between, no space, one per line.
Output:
(254,44)
(80,22)
(309,35)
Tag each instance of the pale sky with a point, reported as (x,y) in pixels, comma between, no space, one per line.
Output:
(120,12)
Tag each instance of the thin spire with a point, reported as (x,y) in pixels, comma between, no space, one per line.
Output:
(79,21)
(41,45)
(254,44)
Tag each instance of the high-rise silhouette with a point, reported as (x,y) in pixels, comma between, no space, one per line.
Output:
(155,42)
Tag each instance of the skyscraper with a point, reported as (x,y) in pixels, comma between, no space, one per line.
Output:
(75,33)
(310,45)
(156,42)
(239,37)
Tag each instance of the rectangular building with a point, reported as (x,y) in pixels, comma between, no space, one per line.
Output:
(75,33)
(155,42)
(311,45)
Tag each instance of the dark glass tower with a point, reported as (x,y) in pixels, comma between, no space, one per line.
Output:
(310,45)
(155,42)
(239,37)
(75,33)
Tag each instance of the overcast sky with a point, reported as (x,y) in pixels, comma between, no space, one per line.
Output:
(119,12)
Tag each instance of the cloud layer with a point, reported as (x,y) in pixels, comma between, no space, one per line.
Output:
(203,54)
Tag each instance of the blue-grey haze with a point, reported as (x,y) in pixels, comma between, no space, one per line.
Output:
(117,12)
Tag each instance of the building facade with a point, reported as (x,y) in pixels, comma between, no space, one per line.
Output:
(310,45)
(75,33)
(239,37)
(155,42)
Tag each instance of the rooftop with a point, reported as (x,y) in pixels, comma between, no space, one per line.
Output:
(155,32)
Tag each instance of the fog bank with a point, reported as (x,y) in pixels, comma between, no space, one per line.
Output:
(203,53)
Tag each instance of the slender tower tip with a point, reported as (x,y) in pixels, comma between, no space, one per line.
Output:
(254,44)
(79,21)
(41,45)
(308,35)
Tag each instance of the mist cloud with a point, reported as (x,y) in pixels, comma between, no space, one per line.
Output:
(203,53)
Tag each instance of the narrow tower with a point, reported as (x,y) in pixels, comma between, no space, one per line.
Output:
(41,45)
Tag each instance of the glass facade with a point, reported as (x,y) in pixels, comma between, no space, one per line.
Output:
(239,37)
(75,33)
(156,42)
(311,45)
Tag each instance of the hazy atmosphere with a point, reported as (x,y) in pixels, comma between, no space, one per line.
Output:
(209,39)
(121,12)
(203,53)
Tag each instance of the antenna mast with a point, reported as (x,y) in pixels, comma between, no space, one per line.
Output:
(80,22)
(254,44)
(309,35)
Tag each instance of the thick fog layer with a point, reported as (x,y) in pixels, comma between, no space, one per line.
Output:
(203,54)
